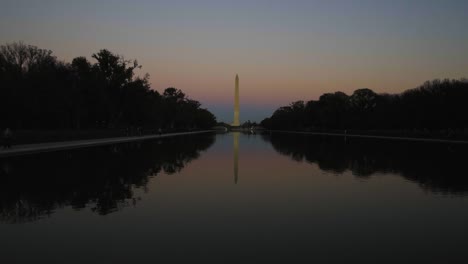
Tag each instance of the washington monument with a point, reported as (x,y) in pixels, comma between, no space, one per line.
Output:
(236,103)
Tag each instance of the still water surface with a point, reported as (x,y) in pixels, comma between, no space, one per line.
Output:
(238,198)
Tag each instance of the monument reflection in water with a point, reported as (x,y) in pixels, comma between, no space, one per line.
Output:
(235,135)
(302,199)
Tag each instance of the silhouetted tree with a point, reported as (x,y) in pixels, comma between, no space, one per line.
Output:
(433,107)
(362,104)
(38,91)
(332,110)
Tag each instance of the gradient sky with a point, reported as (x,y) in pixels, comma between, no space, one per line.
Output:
(282,50)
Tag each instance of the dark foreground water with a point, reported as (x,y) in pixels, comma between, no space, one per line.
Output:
(238,198)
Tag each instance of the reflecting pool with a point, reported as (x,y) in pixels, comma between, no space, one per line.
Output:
(238,198)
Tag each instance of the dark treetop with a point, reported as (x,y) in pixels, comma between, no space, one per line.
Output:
(38,91)
(436,105)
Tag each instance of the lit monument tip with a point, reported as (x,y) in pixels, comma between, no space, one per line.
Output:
(236,103)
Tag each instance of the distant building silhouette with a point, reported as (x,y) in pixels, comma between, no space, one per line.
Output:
(236,103)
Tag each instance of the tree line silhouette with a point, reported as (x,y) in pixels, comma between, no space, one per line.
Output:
(435,105)
(40,92)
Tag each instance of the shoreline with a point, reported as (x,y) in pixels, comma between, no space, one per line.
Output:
(26,149)
(433,140)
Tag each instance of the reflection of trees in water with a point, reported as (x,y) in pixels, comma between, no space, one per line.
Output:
(101,178)
(435,167)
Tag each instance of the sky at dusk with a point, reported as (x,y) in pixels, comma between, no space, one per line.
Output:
(283,51)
